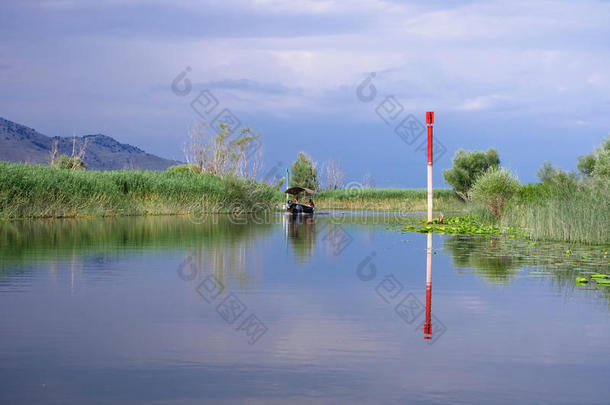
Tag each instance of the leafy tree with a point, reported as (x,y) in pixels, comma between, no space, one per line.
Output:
(602,164)
(547,172)
(494,189)
(467,167)
(586,163)
(304,173)
(552,175)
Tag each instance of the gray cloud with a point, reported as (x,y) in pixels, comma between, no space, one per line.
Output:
(107,65)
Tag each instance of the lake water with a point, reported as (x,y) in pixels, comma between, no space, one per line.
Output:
(331,309)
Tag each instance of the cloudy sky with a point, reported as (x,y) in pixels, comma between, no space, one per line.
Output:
(530,78)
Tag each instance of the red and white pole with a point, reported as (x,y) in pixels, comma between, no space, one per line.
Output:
(430,121)
(428,323)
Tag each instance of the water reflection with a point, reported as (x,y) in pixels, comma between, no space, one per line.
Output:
(428,324)
(300,231)
(485,256)
(98,303)
(303,234)
(500,261)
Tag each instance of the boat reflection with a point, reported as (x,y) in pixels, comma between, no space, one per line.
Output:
(300,233)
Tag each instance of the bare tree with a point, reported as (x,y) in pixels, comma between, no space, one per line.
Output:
(54,151)
(198,152)
(368,181)
(335,175)
(221,156)
(251,163)
(82,147)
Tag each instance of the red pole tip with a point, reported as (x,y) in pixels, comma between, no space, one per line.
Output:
(430,117)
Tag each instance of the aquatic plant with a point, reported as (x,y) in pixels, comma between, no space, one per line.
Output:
(455,226)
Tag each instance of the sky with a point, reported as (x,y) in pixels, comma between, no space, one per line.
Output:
(337,79)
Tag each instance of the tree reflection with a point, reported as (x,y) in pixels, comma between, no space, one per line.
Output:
(482,256)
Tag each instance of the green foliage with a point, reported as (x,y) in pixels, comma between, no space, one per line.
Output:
(41,191)
(467,167)
(532,193)
(555,182)
(602,165)
(499,259)
(565,208)
(587,163)
(578,213)
(494,189)
(384,193)
(183,168)
(70,163)
(547,172)
(455,226)
(278,185)
(387,199)
(304,173)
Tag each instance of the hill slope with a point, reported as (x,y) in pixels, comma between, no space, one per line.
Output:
(19,143)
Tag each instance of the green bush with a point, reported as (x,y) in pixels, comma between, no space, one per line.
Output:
(70,163)
(494,189)
(467,167)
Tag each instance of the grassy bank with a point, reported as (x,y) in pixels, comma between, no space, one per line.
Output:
(386,199)
(573,212)
(28,191)
(577,213)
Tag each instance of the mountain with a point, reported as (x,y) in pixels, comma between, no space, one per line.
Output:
(19,143)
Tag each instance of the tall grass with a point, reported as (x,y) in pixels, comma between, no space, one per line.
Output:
(580,214)
(386,199)
(28,191)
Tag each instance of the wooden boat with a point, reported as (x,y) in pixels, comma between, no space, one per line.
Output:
(296,208)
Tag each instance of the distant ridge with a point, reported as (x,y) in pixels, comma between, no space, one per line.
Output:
(19,143)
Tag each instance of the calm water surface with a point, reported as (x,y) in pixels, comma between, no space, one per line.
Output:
(325,310)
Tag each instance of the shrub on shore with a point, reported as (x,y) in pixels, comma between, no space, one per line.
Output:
(494,189)
(467,167)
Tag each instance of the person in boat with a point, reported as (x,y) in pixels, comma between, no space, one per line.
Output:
(311,204)
(296,199)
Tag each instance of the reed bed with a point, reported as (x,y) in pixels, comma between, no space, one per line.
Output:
(28,191)
(388,199)
(581,216)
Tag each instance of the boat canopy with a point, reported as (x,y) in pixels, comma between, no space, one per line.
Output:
(297,190)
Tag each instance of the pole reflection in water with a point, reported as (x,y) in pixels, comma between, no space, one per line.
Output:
(428,324)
